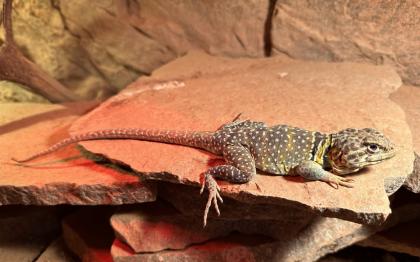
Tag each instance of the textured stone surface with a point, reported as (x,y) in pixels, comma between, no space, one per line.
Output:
(216,27)
(98,53)
(188,201)
(12,92)
(413,180)
(155,227)
(232,248)
(211,91)
(408,98)
(57,252)
(43,37)
(308,240)
(117,50)
(302,236)
(152,227)
(312,240)
(26,231)
(116,41)
(87,233)
(59,178)
(376,32)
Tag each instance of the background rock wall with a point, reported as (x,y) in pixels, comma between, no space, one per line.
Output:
(97,47)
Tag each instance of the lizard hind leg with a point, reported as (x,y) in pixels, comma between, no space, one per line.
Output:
(240,169)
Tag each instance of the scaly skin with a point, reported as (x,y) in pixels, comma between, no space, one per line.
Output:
(281,150)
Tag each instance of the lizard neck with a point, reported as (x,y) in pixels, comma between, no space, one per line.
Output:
(322,145)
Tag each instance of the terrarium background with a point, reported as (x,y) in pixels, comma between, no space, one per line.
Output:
(98,47)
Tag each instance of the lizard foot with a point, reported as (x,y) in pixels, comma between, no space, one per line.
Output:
(337,181)
(214,195)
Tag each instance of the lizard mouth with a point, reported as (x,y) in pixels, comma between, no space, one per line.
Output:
(376,159)
(373,160)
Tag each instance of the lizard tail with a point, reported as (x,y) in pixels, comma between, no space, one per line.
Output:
(203,140)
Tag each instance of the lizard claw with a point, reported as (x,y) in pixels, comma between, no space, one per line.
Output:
(337,181)
(214,195)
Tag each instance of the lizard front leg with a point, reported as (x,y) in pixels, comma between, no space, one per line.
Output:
(314,171)
(240,169)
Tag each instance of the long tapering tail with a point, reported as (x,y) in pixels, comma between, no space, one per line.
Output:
(203,140)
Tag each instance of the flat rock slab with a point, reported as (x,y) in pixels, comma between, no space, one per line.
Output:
(143,230)
(63,177)
(199,92)
(157,226)
(232,248)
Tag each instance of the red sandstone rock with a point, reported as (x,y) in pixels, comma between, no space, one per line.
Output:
(88,234)
(299,239)
(408,97)
(199,92)
(291,217)
(155,227)
(61,177)
(232,248)
(376,32)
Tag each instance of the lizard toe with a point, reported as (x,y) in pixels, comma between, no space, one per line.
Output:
(214,196)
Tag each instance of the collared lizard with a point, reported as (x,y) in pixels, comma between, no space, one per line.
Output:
(248,146)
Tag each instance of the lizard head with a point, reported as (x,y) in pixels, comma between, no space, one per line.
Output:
(353,149)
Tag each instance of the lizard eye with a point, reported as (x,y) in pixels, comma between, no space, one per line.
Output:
(372,148)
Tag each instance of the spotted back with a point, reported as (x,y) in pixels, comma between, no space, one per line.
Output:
(275,149)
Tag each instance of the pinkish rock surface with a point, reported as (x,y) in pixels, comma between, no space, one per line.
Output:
(62,177)
(299,240)
(291,216)
(375,32)
(155,227)
(408,98)
(311,240)
(232,248)
(200,92)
